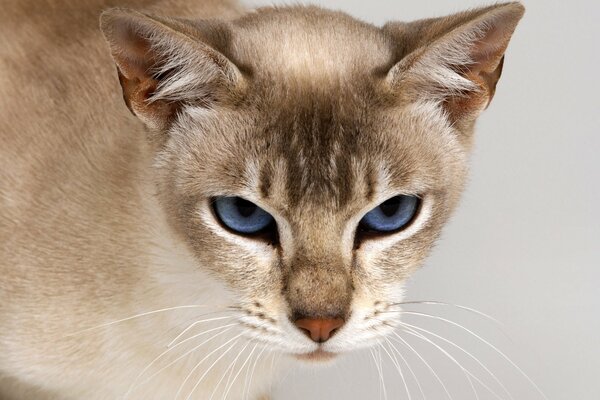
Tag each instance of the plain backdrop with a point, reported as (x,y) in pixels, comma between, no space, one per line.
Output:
(524,244)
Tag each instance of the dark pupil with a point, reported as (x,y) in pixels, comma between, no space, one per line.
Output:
(245,208)
(390,207)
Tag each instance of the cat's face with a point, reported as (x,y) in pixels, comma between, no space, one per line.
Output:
(315,139)
(317,172)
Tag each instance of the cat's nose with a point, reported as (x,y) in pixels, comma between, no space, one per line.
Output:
(319,330)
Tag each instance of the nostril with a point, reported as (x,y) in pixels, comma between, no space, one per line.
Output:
(305,331)
(319,330)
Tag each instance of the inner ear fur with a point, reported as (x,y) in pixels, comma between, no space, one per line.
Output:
(164,63)
(455,60)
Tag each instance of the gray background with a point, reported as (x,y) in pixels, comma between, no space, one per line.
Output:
(524,245)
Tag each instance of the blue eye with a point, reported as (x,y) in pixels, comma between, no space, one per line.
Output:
(391,215)
(241,215)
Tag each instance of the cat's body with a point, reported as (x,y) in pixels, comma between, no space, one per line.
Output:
(95,206)
(73,165)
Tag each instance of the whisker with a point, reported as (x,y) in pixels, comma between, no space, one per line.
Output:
(440,303)
(483,341)
(424,362)
(174,330)
(226,371)
(228,328)
(273,354)
(381,369)
(412,372)
(467,374)
(197,323)
(382,388)
(467,353)
(209,368)
(397,365)
(144,314)
(375,362)
(245,389)
(256,360)
(246,375)
(239,372)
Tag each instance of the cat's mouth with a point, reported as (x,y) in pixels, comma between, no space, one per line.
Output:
(318,355)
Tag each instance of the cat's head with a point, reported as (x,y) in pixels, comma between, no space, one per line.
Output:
(307,159)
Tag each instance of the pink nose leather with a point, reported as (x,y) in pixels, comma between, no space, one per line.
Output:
(319,330)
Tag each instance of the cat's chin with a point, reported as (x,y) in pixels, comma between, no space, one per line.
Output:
(317,356)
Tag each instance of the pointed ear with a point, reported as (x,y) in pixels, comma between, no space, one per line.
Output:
(456,60)
(164,64)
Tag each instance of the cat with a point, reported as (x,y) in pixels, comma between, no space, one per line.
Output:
(195,197)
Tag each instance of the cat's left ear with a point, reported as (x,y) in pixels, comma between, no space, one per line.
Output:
(165,64)
(455,60)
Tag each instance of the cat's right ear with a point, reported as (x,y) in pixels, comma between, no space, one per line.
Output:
(164,64)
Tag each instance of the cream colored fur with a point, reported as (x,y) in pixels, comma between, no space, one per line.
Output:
(311,114)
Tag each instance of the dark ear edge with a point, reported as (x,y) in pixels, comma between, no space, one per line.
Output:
(163,64)
(462,62)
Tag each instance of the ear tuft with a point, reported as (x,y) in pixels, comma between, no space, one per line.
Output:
(164,63)
(456,60)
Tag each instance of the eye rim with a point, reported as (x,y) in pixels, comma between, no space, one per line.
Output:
(269,234)
(365,233)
